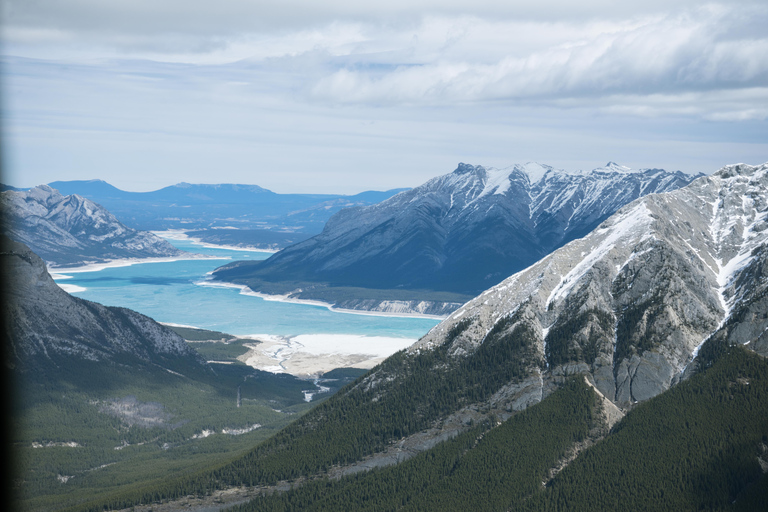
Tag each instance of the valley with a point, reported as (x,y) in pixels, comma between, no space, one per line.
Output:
(88,427)
(268,402)
(384,256)
(314,337)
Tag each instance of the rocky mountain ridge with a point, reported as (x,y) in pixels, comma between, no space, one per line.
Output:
(634,307)
(632,303)
(71,230)
(461,232)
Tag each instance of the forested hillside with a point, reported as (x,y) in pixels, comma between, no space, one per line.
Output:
(703,445)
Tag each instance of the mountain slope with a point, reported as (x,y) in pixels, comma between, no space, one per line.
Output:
(71,230)
(629,306)
(699,446)
(632,302)
(48,329)
(461,232)
(105,399)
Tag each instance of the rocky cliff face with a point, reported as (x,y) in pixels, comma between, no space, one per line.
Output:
(461,232)
(72,230)
(48,328)
(632,303)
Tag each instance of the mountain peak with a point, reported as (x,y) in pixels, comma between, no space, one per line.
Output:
(43,194)
(614,167)
(72,230)
(466,168)
(733,170)
(535,170)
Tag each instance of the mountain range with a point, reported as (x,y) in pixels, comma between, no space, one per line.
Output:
(199,207)
(459,233)
(632,303)
(70,230)
(625,371)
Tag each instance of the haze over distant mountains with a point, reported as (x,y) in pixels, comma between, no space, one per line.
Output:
(71,230)
(199,206)
(461,232)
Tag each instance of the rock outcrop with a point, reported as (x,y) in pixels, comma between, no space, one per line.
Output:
(71,230)
(47,328)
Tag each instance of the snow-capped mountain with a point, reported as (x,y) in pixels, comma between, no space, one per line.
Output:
(48,329)
(633,302)
(461,232)
(71,230)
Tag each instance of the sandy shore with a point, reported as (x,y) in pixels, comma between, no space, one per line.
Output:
(309,355)
(245,290)
(61,272)
(71,288)
(179,234)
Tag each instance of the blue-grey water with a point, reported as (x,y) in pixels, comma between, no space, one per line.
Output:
(169,292)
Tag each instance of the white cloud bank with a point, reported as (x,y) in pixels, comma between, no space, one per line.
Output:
(436,52)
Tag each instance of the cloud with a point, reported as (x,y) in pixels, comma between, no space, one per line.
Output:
(226,17)
(675,54)
(430,53)
(201,25)
(376,94)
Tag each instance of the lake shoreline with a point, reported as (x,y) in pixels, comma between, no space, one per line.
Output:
(245,290)
(181,234)
(307,338)
(61,272)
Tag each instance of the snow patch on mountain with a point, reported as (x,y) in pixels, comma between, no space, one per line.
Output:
(633,301)
(628,226)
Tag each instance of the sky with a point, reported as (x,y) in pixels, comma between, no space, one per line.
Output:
(340,96)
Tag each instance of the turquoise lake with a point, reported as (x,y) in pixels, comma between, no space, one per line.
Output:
(169,292)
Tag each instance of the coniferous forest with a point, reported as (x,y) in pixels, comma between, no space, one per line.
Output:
(699,446)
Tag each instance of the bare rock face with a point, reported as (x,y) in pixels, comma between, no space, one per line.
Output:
(632,303)
(48,328)
(72,230)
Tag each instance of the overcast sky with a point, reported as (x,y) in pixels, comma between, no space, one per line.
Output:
(342,96)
